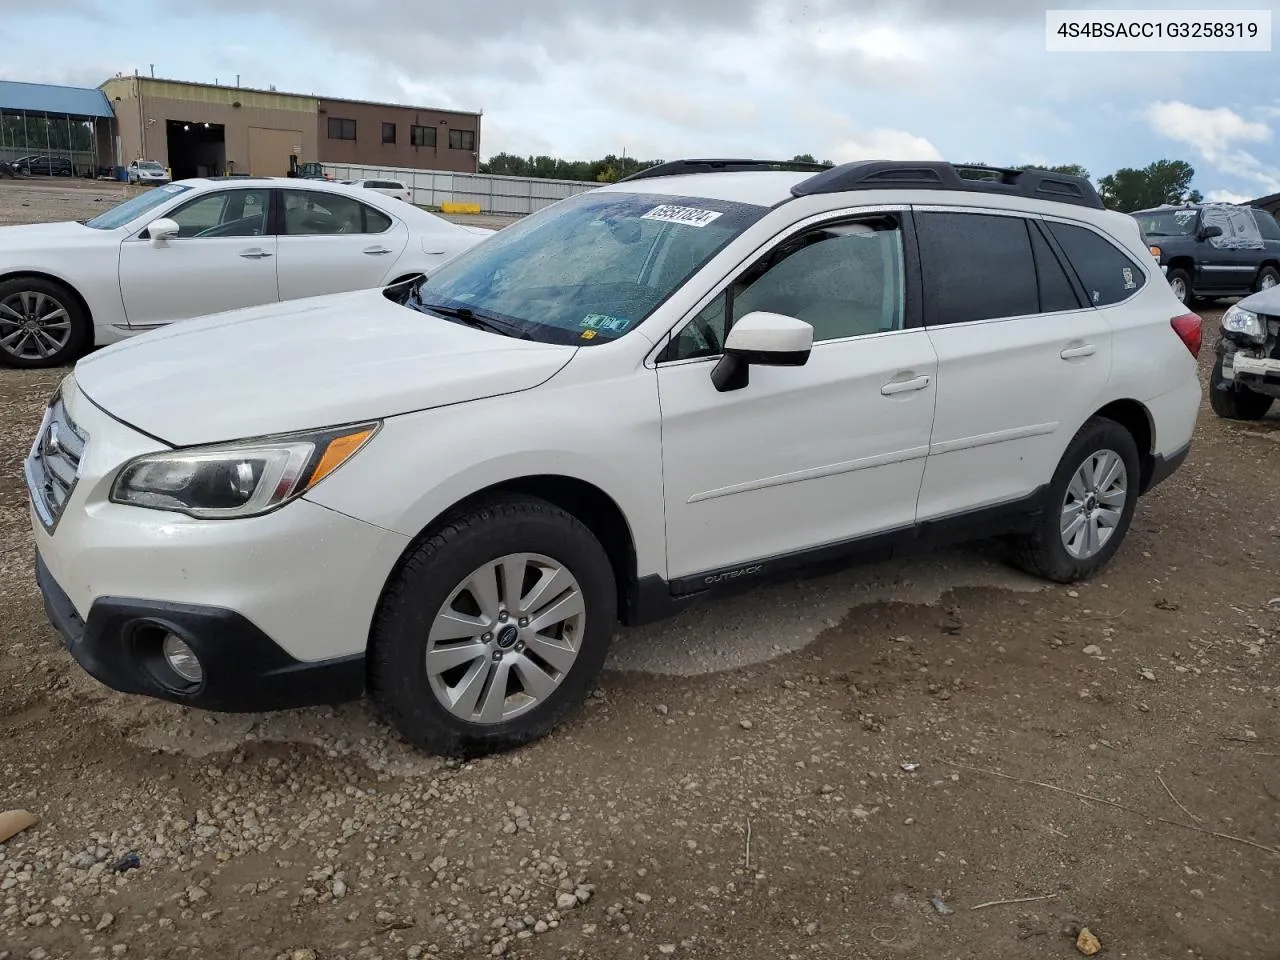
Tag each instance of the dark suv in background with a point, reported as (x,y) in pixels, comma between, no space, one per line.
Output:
(1214,249)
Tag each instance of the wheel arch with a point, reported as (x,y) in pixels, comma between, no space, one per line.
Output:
(588,503)
(1136,418)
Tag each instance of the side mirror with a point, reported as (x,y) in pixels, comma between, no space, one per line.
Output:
(764,339)
(1208,233)
(162,230)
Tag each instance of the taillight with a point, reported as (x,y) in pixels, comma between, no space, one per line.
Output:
(1190,330)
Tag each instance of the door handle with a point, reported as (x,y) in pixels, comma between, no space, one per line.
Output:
(904,386)
(375,251)
(1084,350)
(255,254)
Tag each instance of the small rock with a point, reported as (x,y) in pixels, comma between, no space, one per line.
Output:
(196,894)
(339,889)
(541,927)
(643,898)
(566,901)
(1087,943)
(438,864)
(306,953)
(662,709)
(584,892)
(811,928)
(1073,594)
(39,953)
(1250,735)
(667,948)
(1092,650)
(1146,673)
(745,724)
(940,906)
(107,920)
(37,920)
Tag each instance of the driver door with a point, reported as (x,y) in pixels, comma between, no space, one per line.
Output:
(223,258)
(801,457)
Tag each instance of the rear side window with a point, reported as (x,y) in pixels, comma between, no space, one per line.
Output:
(1056,292)
(1267,225)
(976,267)
(1108,274)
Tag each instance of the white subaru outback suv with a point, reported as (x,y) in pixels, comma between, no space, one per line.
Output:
(447,493)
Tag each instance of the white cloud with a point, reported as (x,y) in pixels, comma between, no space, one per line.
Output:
(884,145)
(1211,131)
(1227,196)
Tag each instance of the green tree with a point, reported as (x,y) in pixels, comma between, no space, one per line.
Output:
(1159,183)
(804,158)
(1066,169)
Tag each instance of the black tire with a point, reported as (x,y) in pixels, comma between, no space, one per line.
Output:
(79,334)
(1042,552)
(1266,273)
(416,592)
(1181,275)
(1231,401)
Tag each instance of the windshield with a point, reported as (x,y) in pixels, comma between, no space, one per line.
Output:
(588,269)
(131,210)
(149,165)
(1167,223)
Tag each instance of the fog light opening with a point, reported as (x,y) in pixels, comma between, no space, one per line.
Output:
(181,659)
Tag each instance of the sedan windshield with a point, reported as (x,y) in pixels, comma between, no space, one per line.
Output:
(151,166)
(131,210)
(585,270)
(1167,223)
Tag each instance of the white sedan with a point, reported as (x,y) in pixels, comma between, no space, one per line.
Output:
(391,188)
(204,246)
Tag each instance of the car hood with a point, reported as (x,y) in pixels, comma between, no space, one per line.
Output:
(303,364)
(1264,302)
(27,235)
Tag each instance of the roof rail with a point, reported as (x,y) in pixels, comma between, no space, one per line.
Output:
(935,175)
(674,168)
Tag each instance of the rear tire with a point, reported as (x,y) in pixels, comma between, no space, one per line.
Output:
(515,591)
(1088,506)
(1180,283)
(42,324)
(1231,401)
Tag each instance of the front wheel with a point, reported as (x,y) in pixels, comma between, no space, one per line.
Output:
(1088,507)
(42,324)
(1268,277)
(493,629)
(1180,283)
(1231,401)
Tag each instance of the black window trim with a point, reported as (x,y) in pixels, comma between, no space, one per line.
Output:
(435,136)
(1082,290)
(459,131)
(395,130)
(341,120)
(912,318)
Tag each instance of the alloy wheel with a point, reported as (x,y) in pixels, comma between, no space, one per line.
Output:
(1179,288)
(33,325)
(506,638)
(1094,504)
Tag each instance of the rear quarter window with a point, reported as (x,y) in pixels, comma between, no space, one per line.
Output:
(1109,275)
(1267,225)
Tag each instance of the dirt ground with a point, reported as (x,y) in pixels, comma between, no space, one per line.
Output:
(792,773)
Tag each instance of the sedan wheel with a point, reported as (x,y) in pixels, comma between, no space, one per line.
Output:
(34,326)
(506,638)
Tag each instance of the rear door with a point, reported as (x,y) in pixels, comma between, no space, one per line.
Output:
(332,243)
(1021,358)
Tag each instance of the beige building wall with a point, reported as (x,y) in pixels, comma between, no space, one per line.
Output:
(261,127)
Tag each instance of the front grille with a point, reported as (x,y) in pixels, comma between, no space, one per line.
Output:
(53,466)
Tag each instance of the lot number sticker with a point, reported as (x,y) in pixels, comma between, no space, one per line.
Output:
(689,216)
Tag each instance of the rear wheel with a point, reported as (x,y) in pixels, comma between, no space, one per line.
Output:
(1088,506)
(42,324)
(1180,283)
(494,629)
(1231,401)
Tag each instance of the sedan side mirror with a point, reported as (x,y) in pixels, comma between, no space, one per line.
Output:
(1208,233)
(765,339)
(162,230)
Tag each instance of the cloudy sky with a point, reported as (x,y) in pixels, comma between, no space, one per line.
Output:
(964,80)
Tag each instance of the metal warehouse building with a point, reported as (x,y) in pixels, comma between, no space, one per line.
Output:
(72,124)
(199,129)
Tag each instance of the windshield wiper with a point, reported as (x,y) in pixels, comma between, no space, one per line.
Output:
(469,317)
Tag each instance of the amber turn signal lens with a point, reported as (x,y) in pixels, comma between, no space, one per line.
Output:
(337,453)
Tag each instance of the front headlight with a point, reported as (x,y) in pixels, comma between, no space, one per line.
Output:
(1243,322)
(237,479)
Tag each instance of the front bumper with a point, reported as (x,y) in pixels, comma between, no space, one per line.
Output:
(244,669)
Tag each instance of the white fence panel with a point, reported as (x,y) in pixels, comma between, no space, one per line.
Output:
(501,195)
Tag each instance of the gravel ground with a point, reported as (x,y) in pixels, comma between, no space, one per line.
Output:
(796,772)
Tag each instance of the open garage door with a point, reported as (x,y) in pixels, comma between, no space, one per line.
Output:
(269,151)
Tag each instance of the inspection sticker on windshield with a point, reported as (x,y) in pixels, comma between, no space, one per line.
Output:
(689,216)
(602,321)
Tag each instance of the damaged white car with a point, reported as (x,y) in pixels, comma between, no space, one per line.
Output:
(1246,377)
